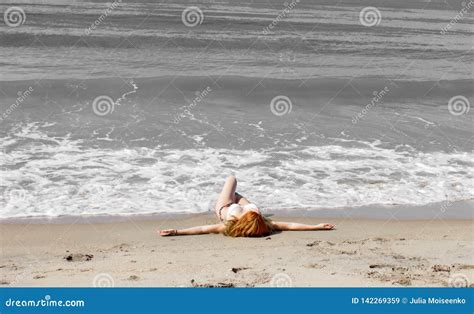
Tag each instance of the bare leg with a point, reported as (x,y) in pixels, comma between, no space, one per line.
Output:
(227,194)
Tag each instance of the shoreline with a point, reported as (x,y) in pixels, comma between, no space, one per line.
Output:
(459,210)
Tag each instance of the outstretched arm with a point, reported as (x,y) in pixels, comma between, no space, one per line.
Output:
(281,225)
(217,228)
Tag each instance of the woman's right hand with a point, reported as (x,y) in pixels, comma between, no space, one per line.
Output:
(168,232)
(326,226)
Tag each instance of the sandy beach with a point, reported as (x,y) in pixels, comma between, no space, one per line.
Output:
(360,252)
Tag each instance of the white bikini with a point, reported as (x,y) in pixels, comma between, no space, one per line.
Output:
(233,209)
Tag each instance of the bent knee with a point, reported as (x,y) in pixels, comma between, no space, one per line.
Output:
(231,179)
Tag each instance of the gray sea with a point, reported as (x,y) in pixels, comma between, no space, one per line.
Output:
(139,107)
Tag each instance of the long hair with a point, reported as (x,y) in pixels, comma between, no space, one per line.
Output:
(251,224)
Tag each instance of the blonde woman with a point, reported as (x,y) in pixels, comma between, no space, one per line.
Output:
(240,218)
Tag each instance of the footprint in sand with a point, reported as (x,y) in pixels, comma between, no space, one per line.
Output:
(403,281)
(122,247)
(133,278)
(320,243)
(39,277)
(314,266)
(463,266)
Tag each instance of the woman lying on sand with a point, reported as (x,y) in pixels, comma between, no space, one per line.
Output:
(240,218)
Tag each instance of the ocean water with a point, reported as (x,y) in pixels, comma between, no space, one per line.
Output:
(143,114)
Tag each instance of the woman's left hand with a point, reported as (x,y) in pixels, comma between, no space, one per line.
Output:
(168,232)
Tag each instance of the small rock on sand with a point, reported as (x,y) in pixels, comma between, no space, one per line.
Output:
(133,277)
(441,268)
(78,257)
(210,285)
(237,269)
(379,265)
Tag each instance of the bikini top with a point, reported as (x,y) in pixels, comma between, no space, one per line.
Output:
(235,208)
